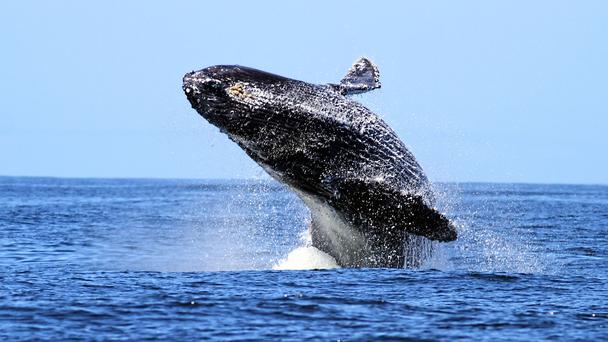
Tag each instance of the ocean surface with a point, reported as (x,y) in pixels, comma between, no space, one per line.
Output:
(106,259)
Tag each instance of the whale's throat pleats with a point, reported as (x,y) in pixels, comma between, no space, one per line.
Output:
(360,229)
(354,247)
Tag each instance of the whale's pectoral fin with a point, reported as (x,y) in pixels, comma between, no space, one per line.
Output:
(376,205)
(361,77)
(428,222)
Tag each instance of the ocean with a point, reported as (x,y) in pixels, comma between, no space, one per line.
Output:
(134,259)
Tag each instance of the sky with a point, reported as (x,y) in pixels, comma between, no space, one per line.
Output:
(511,91)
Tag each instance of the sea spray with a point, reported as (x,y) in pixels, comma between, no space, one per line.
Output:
(306,258)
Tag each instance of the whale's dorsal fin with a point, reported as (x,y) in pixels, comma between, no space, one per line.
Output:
(362,76)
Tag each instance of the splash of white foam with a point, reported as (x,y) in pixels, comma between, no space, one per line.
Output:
(306,258)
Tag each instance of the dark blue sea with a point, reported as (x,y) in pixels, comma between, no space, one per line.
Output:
(114,259)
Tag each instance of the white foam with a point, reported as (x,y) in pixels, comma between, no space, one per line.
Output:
(306,258)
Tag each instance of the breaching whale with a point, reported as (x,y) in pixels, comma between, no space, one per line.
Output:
(370,201)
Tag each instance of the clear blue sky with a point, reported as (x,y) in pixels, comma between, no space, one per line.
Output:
(514,91)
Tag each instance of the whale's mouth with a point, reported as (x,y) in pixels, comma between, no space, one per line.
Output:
(197,85)
(220,78)
(206,94)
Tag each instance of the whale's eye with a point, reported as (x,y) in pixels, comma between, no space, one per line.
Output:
(238,90)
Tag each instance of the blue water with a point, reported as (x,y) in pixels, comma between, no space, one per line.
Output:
(184,260)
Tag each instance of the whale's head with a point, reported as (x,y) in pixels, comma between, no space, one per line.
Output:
(231,97)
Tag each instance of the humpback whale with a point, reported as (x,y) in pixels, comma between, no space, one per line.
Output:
(371,203)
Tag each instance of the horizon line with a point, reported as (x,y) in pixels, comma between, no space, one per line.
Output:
(268,178)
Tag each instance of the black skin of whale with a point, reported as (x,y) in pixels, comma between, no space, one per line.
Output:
(332,151)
